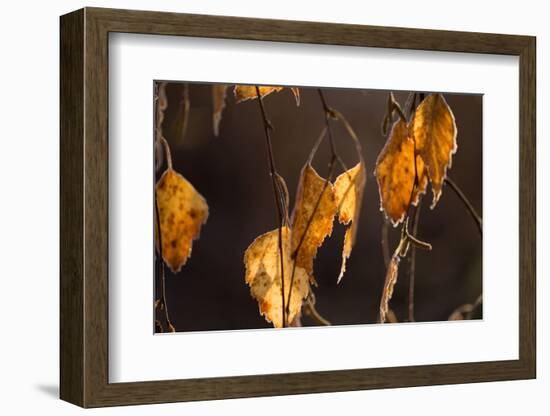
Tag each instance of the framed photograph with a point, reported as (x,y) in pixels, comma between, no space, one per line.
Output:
(256,207)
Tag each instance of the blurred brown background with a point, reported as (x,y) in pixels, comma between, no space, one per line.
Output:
(231,172)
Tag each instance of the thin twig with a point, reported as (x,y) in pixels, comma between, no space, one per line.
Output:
(328,114)
(277,194)
(160,104)
(186,106)
(412,264)
(467,203)
(312,312)
(164,303)
(475,305)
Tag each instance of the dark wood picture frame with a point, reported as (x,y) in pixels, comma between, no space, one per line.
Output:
(84,207)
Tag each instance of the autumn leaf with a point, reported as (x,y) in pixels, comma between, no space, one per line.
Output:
(248,92)
(395,173)
(312,218)
(387,292)
(348,189)
(434,131)
(263,274)
(182,212)
(218,102)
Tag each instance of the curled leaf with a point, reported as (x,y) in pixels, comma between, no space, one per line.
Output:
(182,212)
(312,218)
(387,292)
(218,102)
(264,276)
(348,189)
(434,130)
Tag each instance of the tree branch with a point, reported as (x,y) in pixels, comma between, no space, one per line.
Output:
(278,197)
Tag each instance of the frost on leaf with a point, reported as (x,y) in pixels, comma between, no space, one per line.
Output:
(248,92)
(348,189)
(182,212)
(387,292)
(312,218)
(434,130)
(395,173)
(263,274)
(218,104)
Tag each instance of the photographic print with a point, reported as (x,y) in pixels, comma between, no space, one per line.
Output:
(290,206)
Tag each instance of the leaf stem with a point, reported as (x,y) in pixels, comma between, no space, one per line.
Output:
(277,194)
(163,301)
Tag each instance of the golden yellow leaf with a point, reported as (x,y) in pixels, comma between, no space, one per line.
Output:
(182,212)
(395,173)
(314,195)
(348,189)
(218,103)
(422,180)
(387,292)
(434,130)
(263,274)
(248,92)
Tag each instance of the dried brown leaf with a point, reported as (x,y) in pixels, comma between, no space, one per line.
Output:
(348,189)
(315,195)
(218,102)
(387,292)
(434,130)
(263,274)
(182,212)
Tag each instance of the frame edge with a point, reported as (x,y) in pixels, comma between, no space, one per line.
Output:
(72,298)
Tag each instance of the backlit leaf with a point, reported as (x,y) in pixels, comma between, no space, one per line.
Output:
(263,274)
(395,173)
(434,130)
(248,92)
(182,212)
(348,189)
(314,196)
(387,292)
(218,103)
